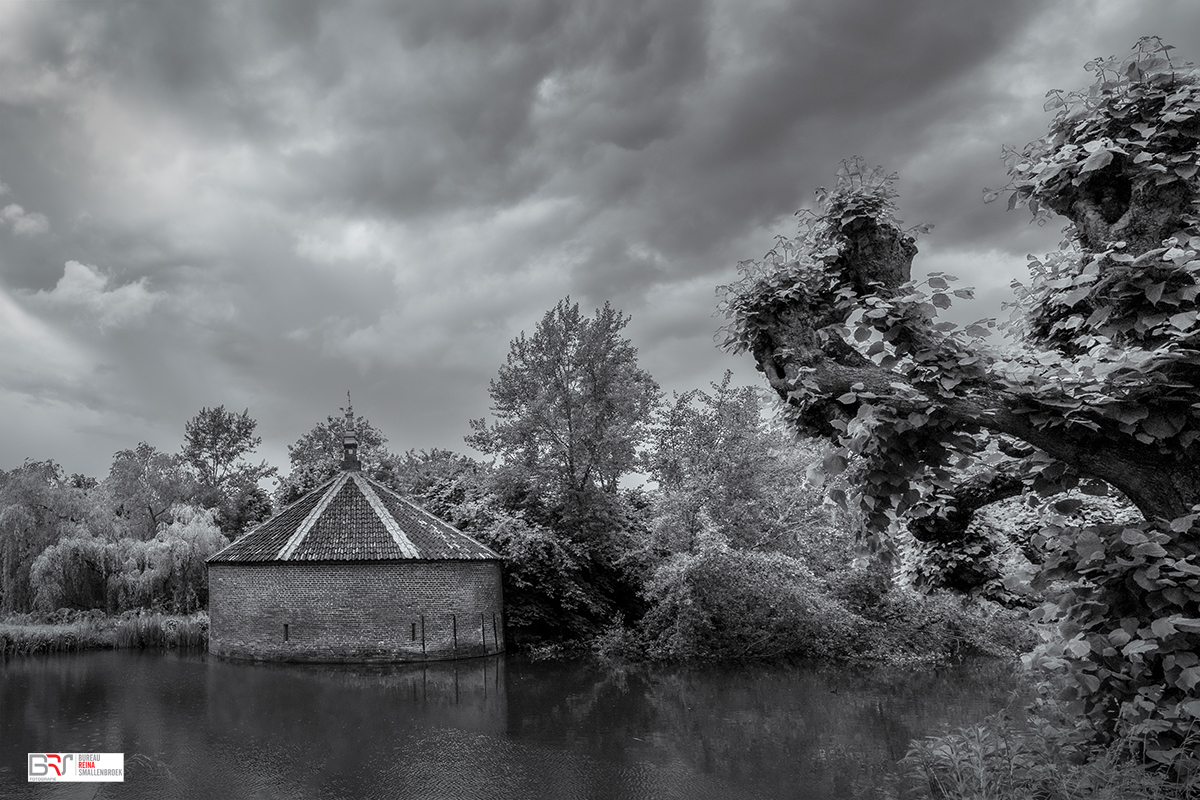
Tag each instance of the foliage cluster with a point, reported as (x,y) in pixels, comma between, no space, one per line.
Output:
(1141,110)
(902,453)
(1129,634)
(166,573)
(563,577)
(38,506)
(139,537)
(998,760)
(570,402)
(719,603)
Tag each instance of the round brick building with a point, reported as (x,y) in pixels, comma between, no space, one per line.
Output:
(353,572)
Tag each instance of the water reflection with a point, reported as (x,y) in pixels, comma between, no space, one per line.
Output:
(481,728)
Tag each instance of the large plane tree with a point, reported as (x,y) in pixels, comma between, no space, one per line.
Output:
(1097,386)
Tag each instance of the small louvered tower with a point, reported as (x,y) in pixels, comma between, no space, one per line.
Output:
(353,572)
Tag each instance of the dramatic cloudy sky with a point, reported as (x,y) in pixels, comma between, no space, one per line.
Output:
(264,204)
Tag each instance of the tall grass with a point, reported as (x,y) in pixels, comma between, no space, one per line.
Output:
(27,636)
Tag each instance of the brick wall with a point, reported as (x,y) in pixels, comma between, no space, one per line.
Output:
(381,611)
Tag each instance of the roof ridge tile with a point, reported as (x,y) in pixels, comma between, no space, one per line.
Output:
(311,519)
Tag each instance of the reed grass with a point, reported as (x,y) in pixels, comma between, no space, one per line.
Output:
(26,636)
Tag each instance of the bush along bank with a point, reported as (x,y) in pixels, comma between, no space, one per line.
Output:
(721,603)
(67,631)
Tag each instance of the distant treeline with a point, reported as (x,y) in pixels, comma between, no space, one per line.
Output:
(723,552)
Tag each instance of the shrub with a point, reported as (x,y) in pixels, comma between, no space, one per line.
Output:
(720,602)
(864,586)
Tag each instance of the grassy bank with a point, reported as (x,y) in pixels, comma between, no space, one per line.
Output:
(65,632)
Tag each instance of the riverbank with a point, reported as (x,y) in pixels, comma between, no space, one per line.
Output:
(60,632)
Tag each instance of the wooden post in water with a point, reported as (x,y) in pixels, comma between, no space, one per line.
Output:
(483,632)
(422,637)
(454,633)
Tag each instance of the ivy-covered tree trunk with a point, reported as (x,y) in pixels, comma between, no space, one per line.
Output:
(1104,384)
(1100,387)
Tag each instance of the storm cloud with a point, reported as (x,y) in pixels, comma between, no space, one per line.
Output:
(265,204)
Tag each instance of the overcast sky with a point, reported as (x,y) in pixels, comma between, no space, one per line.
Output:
(263,205)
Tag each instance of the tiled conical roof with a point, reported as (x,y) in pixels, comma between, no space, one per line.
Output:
(353,518)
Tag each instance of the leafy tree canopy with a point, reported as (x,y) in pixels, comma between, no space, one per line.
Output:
(724,469)
(215,443)
(571,403)
(1099,385)
(38,505)
(144,483)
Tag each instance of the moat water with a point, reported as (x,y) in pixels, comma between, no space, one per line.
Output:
(193,726)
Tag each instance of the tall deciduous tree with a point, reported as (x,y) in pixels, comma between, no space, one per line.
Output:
(571,403)
(1099,389)
(215,443)
(1104,381)
(144,483)
(723,468)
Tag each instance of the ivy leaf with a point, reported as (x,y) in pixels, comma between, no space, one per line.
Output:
(1163,627)
(1151,549)
(1073,297)
(1097,160)
(1184,524)
(839,497)
(1161,426)
(1089,547)
(1138,646)
(1190,569)
(1132,536)
(834,464)
(1079,648)
(1183,320)
(1188,678)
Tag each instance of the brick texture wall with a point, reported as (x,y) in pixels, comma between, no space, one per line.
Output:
(361,612)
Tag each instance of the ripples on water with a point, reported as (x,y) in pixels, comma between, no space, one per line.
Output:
(192,726)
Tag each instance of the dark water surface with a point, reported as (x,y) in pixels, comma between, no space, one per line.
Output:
(502,727)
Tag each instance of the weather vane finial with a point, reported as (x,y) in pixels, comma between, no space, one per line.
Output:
(350,440)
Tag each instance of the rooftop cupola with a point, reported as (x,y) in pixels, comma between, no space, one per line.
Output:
(350,462)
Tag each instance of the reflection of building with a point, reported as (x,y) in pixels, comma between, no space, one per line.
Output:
(354,572)
(470,695)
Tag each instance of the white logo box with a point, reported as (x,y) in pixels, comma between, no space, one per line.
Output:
(76,767)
